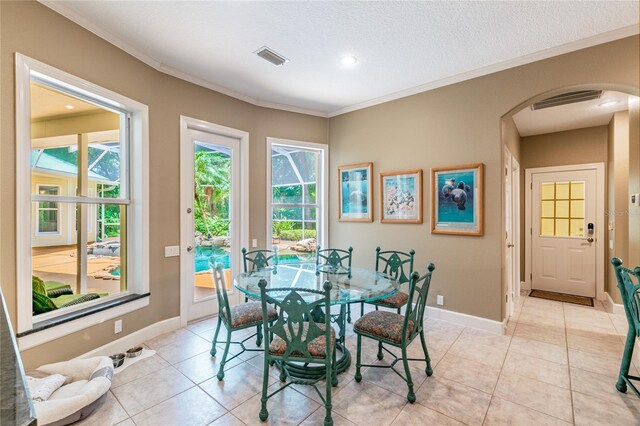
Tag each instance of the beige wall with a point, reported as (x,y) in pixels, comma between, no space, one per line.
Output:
(453,125)
(36,31)
(634,182)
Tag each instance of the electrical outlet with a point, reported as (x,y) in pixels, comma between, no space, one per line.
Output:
(171,251)
(117,327)
(254,243)
(440,300)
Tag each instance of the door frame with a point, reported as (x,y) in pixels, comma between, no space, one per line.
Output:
(186,185)
(600,219)
(512,235)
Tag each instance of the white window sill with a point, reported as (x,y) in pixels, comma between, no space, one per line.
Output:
(55,328)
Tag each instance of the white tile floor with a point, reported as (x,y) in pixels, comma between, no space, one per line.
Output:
(557,365)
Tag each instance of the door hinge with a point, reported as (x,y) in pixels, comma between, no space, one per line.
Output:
(531,185)
(506,298)
(506,171)
(531,231)
(531,275)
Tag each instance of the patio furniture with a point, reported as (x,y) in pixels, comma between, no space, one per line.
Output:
(397,330)
(300,336)
(629,285)
(331,259)
(257,259)
(351,286)
(237,317)
(393,263)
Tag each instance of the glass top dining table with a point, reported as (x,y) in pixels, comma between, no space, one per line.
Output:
(348,285)
(351,285)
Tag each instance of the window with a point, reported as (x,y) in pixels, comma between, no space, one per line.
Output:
(48,212)
(298,207)
(562,209)
(82,171)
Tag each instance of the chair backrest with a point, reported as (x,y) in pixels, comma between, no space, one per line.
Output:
(334,257)
(221,290)
(629,291)
(294,313)
(258,259)
(418,292)
(396,264)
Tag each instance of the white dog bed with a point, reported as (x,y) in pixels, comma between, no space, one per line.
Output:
(90,381)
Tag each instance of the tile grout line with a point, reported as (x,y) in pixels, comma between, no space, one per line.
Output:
(573,416)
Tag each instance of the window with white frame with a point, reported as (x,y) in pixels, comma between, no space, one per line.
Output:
(48,213)
(94,141)
(297,180)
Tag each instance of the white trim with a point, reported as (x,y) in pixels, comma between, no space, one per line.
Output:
(38,338)
(602,38)
(600,219)
(466,320)
(136,338)
(186,197)
(138,213)
(323,214)
(611,306)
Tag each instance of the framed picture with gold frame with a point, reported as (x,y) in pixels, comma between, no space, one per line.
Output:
(457,200)
(401,197)
(355,193)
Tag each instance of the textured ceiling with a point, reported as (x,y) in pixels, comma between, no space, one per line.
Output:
(47,103)
(402,47)
(572,116)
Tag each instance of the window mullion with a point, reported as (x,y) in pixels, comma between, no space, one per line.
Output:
(82,220)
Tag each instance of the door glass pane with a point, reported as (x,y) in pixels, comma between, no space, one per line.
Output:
(562,190)
(577,208)
(212,215)
(546,228)
(547,191)
(562,227)
(547,209)
(562,209)
(577,190)
(577,227)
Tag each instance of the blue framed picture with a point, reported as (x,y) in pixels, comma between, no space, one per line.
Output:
(456,200)
(355,190)
(401,197)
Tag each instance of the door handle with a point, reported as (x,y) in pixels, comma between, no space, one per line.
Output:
(589,240)
(510,245)
(189,249)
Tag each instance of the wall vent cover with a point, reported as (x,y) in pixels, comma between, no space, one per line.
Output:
(568,98)
(269,55)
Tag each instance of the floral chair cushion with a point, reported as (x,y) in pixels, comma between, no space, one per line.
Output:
(246,314)
(316,347)
(397,300)
(383,325)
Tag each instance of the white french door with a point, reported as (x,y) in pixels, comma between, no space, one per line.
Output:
(212,225)
(563,231)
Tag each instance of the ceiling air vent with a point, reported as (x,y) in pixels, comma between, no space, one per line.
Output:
(568,98)
(269,55)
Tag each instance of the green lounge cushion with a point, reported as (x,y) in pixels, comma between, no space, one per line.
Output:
(73,299)
(42,304)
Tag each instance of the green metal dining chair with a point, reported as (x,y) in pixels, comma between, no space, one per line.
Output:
(397,330)
(397,265)
(258,259)
(237,317)
(327,260)
(631,301)
(298,336)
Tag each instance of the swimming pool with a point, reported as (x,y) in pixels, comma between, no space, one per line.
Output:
(220,255)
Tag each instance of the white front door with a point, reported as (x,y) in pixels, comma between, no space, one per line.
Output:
(210,217)
(563,232)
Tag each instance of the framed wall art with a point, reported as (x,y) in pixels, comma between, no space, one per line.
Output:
(456,200)
(401,197)
(355,191)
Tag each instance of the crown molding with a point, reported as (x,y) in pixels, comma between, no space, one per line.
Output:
(609,36)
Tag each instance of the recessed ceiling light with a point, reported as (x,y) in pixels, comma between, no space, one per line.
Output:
(608,104)
(69,106)
(348,61)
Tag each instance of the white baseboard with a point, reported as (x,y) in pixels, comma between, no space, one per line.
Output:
(465,320)
(135,338)
(611,306)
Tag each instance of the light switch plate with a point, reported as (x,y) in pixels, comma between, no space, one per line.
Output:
(635,200)
(440,300)
(171,251)
(254,243)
